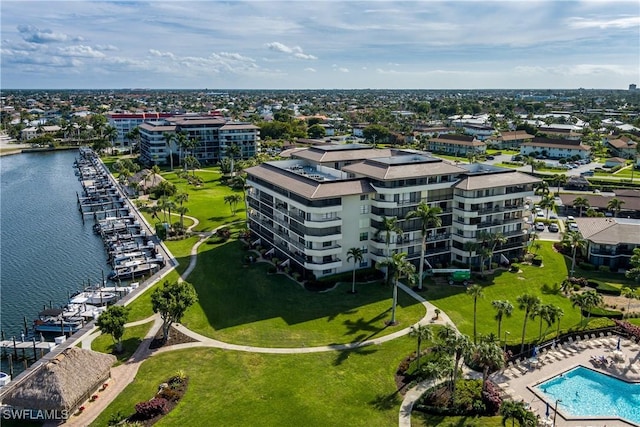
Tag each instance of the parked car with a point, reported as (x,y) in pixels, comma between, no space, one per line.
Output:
(573,226)
(553,227)
(570,218)
(540,226)
(490,158)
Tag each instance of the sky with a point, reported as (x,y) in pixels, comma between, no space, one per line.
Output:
(319,44)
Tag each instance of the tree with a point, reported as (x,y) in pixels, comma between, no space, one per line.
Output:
(475,291)
(548,202)
(429,218)
(514,411)
(615,205)
(542,188)
(389,226)
(169,137)
(172,300)
(458,346)
(421,333)
(545,312)
(182,197)
(232,152)
(111,134)
(485,253)
(232,200)
(528,303)
(375,133)
(490,357)
(355,255)
(580,203)
(629,294)
(470,246)
(240,182)
(316,131)
(182,140)
(400,267)
(112,322)
(634,272)
(573,240)
(182,210)
(503,309)
(134,135)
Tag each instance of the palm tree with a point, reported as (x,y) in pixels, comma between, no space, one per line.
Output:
(232,200)
(592,299)
(182,140)
(503,309)
(153,210)
(555,315)
(169,137)
(162,203)
(542,188)
(615,205)
(182,210)
(489,356)
(429,218)
(389,225)
(548,202)
(135,135)
(559,179)
(513,410)
(574,240)
(421,333)
(581,203)
(240,182)
(485,253)
(355,255)
(233,151)
(544,312)
(182,197)
(470,246)
(401,268)
(456,345)
(629,294)
(475,292)
(528,303)
(111,134)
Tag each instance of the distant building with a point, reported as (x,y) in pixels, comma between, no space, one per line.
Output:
(632,87)
(610,241)
(31,132)
(555,148)
(457,145)
(126,122)
(509,139)
(623,146)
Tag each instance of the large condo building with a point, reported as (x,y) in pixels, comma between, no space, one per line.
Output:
(311,209)
(125,122)
(212,137)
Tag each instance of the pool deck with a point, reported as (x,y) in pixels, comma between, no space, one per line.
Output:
(518,381)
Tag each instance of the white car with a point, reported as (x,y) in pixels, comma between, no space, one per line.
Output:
(570,218)
(573,226)
(539,226)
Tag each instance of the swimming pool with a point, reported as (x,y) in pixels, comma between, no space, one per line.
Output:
(586,393)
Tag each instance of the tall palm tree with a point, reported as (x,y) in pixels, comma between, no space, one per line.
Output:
(181,198)
(162,203)
(545,313)
(578,300)
(489,356)
(528,303)
(485,253)
(580,203)
(240,182)
(548,202)
(459,346)
(355,255)
(559,179)
(111,134)
(233,151)
(182,141)
(574,240)
(169,137)
(182,210)
(503,309)
(592,299)
(401,268)
(542,188)
(421,333)
(615,205)
(555,315)
(389,226)
(475,291)
(135,135)
(429,218)
(232,200)
(470,246)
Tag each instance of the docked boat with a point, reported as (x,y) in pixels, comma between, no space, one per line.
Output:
(52,321)
(94,297)
(134,269)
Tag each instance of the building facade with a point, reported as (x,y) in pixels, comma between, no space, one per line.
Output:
(126,122)
(310,210)
(555,148)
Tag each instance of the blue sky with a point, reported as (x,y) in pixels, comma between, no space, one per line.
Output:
(320,44)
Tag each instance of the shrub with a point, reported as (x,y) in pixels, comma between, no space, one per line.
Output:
(576,287)
(151,408)
(604,268)
(537,261)
(629,328)
(295,275)
(587,266)
(580,281)
(272,270)
(170,394)
(491,398)
(514,268)
(514,260)
(494,265)
(605,288)
(116,419)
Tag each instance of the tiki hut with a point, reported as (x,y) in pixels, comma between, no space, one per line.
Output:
(64,382)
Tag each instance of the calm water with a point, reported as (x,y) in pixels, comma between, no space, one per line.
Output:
(584,392)
(45,250)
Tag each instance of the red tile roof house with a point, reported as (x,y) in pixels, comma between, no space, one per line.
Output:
(555,148)
(458,145)
(509,139)
(623,146)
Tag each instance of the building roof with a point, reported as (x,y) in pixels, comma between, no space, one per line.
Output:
(601,202)
(627,193)
(184,121)
(340,153)
(154,127)
(236,126)
(623,143)
(556,143)
(458,140)
(403,167)
(615,160)
(512,136)
(502,178)
(610,231)
(64,382)
(308,187)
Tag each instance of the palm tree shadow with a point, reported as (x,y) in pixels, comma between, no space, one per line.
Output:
(386,402)
(345,354)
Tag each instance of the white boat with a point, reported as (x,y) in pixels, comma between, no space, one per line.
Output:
(96,297)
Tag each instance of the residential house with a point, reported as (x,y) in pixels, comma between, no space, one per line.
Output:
(613,162)
(513,139)
(623,146)
(610,241)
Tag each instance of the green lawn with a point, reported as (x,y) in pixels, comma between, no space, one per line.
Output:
(131,339)
(427,420)
(226,388)
(246,305)
(508,286)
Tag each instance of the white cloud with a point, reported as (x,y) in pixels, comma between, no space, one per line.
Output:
(80,51)
(279,47)
(295,51)
(311,70)
(157,53)
(34,35)
(603,23)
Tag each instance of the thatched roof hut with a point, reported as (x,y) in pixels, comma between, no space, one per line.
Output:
(64,382)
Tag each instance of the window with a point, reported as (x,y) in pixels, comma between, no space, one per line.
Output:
(364,197)
(364,209)
(364,236)
(326,244)
(364,263)
(329,271)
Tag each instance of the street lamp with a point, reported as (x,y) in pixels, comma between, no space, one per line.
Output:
(573,259)
(555,412)
(505,340)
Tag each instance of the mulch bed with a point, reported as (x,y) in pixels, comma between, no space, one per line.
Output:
(175,337)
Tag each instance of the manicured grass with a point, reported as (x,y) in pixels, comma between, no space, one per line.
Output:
(508,286)
(428,420)
(141,307)
(131,339)
(246,305)
(508,165)
(226,388)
